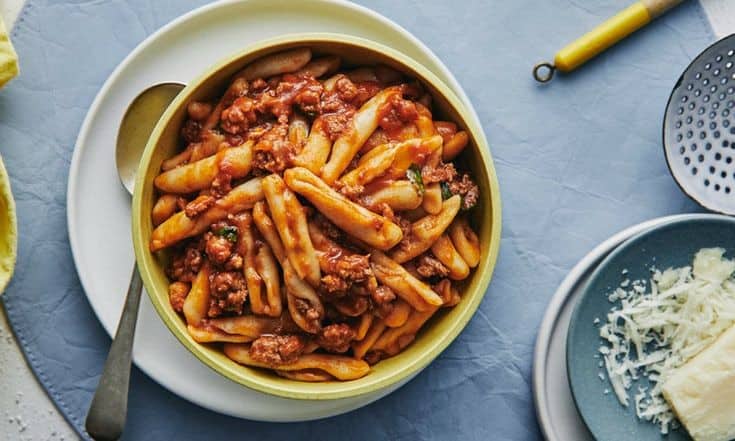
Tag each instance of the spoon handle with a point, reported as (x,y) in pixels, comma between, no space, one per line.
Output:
(106,416)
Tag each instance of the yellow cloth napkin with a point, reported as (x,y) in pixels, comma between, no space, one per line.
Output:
(8,229)
(8,223)
(8,57)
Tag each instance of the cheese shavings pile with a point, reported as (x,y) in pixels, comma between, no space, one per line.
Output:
(651,332)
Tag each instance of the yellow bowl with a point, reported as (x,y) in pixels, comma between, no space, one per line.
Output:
(485,217)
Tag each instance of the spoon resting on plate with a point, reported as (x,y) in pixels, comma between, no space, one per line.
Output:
(107,413)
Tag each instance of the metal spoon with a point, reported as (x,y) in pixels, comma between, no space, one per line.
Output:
(106,416)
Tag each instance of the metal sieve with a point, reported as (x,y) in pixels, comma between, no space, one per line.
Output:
(699,128)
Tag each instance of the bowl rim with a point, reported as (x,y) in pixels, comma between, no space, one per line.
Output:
(337,390)
(575,319)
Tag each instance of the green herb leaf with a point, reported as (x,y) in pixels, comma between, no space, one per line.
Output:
(228,232)
(414,176)
(446,192)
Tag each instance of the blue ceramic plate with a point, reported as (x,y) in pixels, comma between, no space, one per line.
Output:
(669,245)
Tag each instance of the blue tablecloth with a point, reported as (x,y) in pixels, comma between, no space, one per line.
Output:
(577,160)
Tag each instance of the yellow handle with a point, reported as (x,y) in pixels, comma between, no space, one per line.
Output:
(605,35)
(602,37)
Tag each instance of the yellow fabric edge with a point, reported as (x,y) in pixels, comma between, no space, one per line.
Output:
(8,230)
(8,57)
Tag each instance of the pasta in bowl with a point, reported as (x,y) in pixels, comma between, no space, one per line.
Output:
(316,218)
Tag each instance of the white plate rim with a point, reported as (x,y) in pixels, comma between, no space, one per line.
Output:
(560,298)
(79,148)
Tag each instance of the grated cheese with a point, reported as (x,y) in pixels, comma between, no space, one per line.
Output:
(652,329)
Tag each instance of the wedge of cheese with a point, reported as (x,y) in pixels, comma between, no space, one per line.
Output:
(702,392)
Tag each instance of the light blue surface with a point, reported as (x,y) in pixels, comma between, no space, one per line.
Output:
(671,245)
(577,160)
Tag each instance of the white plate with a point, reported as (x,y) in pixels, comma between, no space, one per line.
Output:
(98,208)
(557,415)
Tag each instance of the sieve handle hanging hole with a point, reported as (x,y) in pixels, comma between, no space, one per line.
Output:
(543,72)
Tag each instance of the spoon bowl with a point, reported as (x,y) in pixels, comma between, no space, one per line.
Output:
(137,125)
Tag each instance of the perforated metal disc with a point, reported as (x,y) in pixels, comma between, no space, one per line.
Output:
(699,128)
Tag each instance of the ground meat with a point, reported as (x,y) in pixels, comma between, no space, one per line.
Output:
(466,188)
(353,267)
(336,338)
(428,266)
(338,107)
(349,93)
(221,184)
(342,267)
(405,109)
(292,89)
(441,173)
(234,140)
(365,91)
(349,191)
(346,89)
(275,350)
(382,295)
(191,132)
(193,258)
(404,224)
(336,123)
(309,99)
(396,113)
(185,266)
(308,312)
(274,152)
(273,99)
(312,316)
(177,293)
(235,262)
(239,116)
(333,287)
(258,84)
(256,132)
(218,248)
(228,293)
(343,270)
(199,206)
(332,101)
(383,298)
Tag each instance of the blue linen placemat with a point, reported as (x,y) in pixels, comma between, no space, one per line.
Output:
(577,160)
